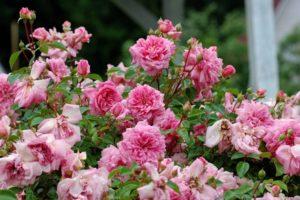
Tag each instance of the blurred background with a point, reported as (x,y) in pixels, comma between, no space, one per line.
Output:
(246,32)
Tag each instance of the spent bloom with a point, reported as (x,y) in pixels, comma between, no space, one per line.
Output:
(153,54)
(289,157)
(58,69)
(7,94)
(143,143)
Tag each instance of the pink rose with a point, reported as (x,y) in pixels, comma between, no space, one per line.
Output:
(289,157)
(41,34)
(111,158)
(153,54)
(15,172)
(167,27)
(7,94)
(103,97)
(58,69)
(119,110)
(83,67)
(91,184)
(25,13)
(145,102)
(64,126)
(66,26)
(167,120)
(4,126)
(254,114)
(142,144)
(228,71)
(72,163)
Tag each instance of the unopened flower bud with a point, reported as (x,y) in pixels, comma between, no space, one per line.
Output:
(249,90)
(27,14)
(261,174)
(240,97)
(178,27)
(192,42)
(21,44)
(228,71)
(280,96)
(66,26)
(187,106)
(83,67)
(261,92)
(276,190)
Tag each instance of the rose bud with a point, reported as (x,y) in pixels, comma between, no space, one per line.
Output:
(228,71)
(66,26)
(276,190)
(25,13)
(83,67)
(261,92)
(280,96)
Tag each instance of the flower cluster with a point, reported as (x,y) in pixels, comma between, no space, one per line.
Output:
(164,127)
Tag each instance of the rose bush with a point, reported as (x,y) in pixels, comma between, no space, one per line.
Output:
(166,127)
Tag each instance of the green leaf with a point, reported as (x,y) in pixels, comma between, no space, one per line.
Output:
(185,135)
(95,77)
(7,195)
(281,184)
(13,58)
(173,185)
(57,45)
(237,155)
(242,168)
(130,73)
(278,166)
(36,121)
(254,156)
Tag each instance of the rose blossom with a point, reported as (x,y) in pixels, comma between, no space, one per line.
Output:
(103,97)
(58,69)
(153,54)
(83,67)
(145,102)
(63,126)
(7,94)
(289,157)
(4,126)
(205,67)
(283,132)
(15,172)
(119,110)
(142,144)
(254,114)
(111,158)
(166,26)
(228,71)
(91,184)
(72,163)
(40,34)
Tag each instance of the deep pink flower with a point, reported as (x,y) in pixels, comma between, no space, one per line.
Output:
(119,110)
(83,67)
(205,67)
(167,27)
(41,34)
(283,132)
(103,97)
(289,157)
(254,114)
(111,158)
(7,94)
(145,102)
(91,184)
(228,71)
(153,54)
(58,69)
(142,144)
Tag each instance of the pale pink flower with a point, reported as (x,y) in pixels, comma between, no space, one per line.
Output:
(245,139)
(153,54)
(72,163)
(229,102)
(103,97)
(41,34)
(58,69)
(205,67)
(30,91)
(111,158)
(83,67)
(228,180)
(56,53)
(166,26)
(283,132)
(44,149)
(15,172)
(64,126)
(142,144)
(292,107)
(145,102)
(7,94)
(91,184)
(289,157)
(4,126)
(254,114)
(37,69)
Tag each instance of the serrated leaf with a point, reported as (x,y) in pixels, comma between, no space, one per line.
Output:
(242,168)
(7,195)
(174,186)
(13,58)
(237,155)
